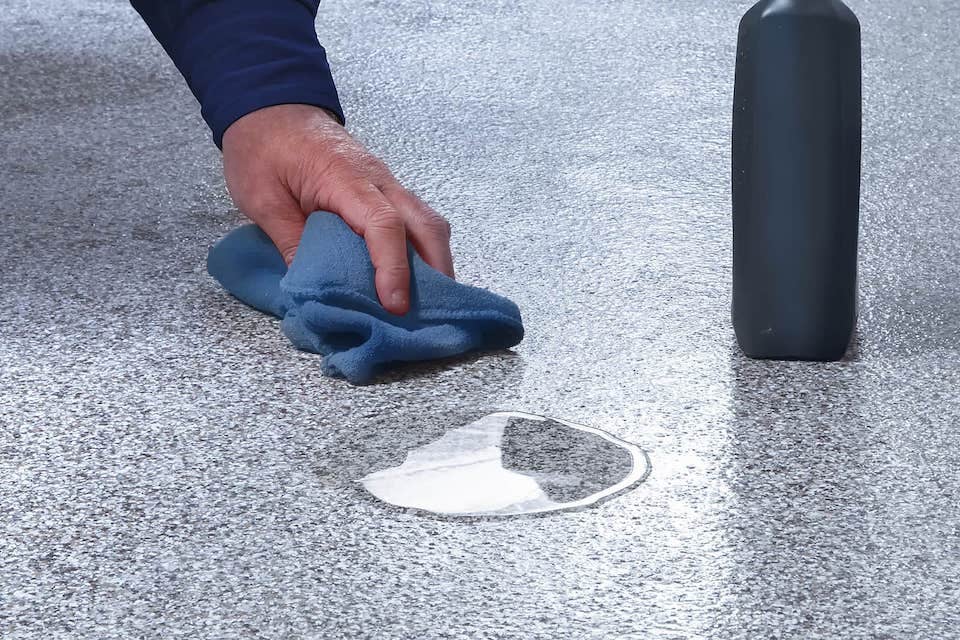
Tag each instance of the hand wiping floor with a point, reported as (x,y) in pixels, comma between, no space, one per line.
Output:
(328,302)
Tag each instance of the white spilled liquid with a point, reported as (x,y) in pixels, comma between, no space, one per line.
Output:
(511,463)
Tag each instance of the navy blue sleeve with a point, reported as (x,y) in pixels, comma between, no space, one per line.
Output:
(242,55)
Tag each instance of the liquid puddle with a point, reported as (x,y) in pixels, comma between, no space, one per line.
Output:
(512,463)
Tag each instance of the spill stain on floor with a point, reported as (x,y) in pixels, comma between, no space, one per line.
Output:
(511,463)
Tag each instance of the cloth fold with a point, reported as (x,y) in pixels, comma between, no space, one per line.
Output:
(328,302)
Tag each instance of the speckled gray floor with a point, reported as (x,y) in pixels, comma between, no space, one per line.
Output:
(170,468)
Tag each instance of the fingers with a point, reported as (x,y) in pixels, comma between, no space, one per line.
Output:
(426,229)
(368,212)
(301,151)
(283,221)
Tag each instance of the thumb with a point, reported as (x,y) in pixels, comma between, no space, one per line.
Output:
(283,222)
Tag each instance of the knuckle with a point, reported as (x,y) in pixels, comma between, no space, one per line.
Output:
(383,217)
(349,158)
(394,271)
(437,225)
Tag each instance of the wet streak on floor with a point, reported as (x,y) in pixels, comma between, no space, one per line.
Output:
(511,464)
(172,469)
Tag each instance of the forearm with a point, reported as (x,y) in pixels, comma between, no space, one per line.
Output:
(238,56)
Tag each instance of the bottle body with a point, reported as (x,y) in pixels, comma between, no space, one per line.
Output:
(796,179)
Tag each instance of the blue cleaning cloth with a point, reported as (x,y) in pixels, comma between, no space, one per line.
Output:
(329,305)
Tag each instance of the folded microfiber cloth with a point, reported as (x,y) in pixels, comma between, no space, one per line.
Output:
(328,301)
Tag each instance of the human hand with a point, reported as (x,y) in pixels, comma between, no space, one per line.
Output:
(283,162)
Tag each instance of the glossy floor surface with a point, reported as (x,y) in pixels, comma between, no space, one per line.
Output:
(172,469)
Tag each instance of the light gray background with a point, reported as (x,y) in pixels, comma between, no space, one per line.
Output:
(171,468)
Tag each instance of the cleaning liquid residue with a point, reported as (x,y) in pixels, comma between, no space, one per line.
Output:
(512,463)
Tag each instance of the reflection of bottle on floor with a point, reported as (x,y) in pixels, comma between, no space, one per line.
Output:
(796,179)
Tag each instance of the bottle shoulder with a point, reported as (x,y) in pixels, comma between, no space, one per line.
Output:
(775,10)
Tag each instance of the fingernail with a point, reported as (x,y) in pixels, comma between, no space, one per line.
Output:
(398,299)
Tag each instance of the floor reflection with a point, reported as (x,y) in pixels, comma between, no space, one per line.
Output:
(511,463)
(805,452)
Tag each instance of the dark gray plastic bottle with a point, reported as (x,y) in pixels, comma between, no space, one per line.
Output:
(796,179)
